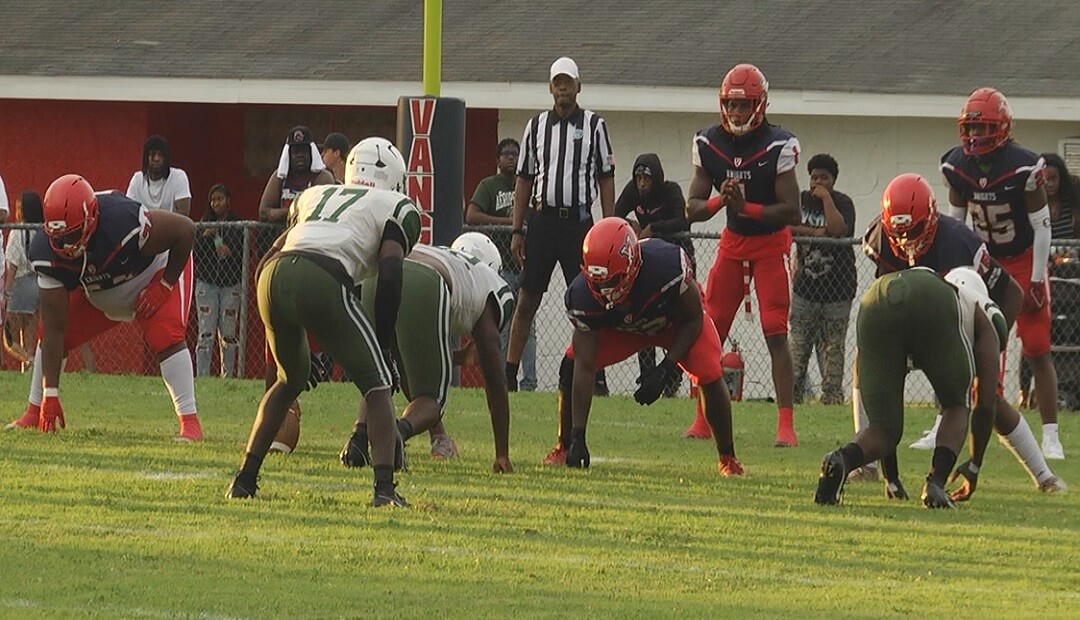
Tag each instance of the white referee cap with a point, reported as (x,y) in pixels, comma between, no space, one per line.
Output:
(564,65)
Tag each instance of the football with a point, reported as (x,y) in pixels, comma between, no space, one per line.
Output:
(289,433)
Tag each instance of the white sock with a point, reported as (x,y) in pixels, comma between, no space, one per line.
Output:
(179,376)
(36,380)
(1021,442)
(1050,431)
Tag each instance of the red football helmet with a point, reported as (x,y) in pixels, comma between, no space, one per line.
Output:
(744,82)
(909,216)
(988,110)
(610,260)
(70,211)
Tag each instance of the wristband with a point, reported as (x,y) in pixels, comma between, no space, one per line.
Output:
(52,392)
(518,231)
(713,204)
(754,210)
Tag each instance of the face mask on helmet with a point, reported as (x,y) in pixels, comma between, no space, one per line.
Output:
(70,211)
(985,122)
(377,163)
(611,259)
(744,95)
(909,216)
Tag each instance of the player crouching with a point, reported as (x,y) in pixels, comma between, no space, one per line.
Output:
(633,295)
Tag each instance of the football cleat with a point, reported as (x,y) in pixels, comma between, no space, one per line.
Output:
(1053,484)
(190,429)
(443,447)
(785,436)
(241,488)
(830,488)
(934,496)
(557,456)
(389,497)
(698,430)
(1052,448)
(927,441)
(29,418)
(355,453)
(729,466)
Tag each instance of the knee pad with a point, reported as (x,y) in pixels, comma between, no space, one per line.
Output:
(566,374)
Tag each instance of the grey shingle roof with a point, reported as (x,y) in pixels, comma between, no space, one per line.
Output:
(899,46)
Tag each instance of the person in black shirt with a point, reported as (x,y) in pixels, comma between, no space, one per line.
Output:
(218,255)
(656,208)
(824,285)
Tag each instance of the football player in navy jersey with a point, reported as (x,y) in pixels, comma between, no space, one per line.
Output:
(751,163)
(908,233)
(105,259)
(1001,184)
(632,295)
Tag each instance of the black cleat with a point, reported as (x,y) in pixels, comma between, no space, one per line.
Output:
(578,454)
(895,490)
(389,498)
(830,486)
(355,453)
(934,496)
(241,488)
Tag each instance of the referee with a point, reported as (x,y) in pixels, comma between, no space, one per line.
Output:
(565,164)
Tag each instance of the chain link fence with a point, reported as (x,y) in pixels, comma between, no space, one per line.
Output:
(226,335)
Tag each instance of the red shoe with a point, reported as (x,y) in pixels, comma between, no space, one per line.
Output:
(729,466)
(785,434)
(557,456)
(190,429)
(29,418)
(698,430)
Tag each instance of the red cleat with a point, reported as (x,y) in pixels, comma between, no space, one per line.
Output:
(29,418)
(698,430)
(729,466)
(557,456)
(785,433)
(190,429)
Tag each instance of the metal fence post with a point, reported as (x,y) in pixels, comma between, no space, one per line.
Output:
(241,353)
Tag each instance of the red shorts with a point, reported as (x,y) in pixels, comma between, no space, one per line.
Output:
(167,327)
(765,260)
(1033,324)
(702,361)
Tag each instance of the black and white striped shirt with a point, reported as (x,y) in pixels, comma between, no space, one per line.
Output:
(566,158)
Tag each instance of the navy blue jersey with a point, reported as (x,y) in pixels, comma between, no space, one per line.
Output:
(112,255)
(955,245)
(993,189)
(755,159)
(653,301)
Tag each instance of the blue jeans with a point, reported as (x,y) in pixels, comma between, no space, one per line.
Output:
(528,355)
(219,312)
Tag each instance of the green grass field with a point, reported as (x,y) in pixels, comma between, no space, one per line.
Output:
(112,519)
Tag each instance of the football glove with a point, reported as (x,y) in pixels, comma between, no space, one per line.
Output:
(653,382)
(51,414)
(152,298)
(578,454)
(971,480)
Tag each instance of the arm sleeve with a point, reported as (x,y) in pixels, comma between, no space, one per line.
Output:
(789,156)
(605,164)
(1040,255)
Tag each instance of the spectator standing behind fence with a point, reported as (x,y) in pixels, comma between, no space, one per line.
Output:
(656,208)
(300,166)
(158,185)
(492,204)
(566,163)
(1063,198)
(751,164)
(335,148)
(218,255)
(3,290)
(20,281)
(824,285)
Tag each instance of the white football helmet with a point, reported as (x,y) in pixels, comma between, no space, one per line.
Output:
(375,162)
(966,278)
(479,246)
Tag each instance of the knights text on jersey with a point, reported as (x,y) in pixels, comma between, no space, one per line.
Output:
(112,255)
(472,283)
(754,159)
(346,223)
(654,299)
(955,245)
(993,189)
